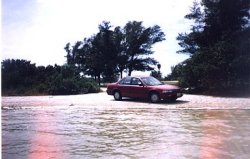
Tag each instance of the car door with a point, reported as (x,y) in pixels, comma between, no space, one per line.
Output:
(124,86)
(137,89)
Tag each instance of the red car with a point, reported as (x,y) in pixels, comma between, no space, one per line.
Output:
(143,87)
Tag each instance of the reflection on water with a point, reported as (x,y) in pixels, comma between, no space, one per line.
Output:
(75,132)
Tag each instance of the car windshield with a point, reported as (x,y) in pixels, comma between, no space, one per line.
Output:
(151,81)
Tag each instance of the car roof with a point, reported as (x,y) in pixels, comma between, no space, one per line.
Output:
(138,76)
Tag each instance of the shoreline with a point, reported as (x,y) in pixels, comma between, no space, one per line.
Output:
(104,101)
(234,94)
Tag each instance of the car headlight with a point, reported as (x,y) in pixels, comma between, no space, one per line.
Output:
(167,91)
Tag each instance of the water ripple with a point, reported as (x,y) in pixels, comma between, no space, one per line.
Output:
(75,132)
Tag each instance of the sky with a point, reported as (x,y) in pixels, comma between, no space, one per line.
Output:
(38,30)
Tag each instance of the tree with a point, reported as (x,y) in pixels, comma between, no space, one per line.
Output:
(157,74)
(138,44)
(111,51)
(95,56)
(213,44)
(159,67)
(74,56)
(17,73)
(107,46)
(122,56)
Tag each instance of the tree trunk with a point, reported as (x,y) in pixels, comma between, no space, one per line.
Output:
(99,80)
(129,72)
(121,74)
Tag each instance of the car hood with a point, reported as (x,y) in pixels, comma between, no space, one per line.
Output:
(111,84)
(165,87)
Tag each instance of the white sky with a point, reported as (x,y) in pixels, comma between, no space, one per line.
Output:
(38,30)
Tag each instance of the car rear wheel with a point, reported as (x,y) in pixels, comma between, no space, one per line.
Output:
(154,97)
(117,95)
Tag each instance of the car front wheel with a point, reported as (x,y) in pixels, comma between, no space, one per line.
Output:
(154,97)
(117,95)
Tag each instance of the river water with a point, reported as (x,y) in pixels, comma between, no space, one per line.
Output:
(72,132)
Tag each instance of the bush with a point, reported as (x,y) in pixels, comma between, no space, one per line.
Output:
(88,86)
(20,77)
(74,85)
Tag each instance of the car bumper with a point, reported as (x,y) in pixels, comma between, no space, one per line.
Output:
(109,92)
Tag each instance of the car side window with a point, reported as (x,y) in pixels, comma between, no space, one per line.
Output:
(136,81)
(125,81)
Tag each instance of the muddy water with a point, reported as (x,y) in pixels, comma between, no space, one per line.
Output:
(70,132)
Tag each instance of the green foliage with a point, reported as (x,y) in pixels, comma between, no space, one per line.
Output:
(20,77)
(157,74)
(138,43)
(112,51)
(218,45)
(21,70)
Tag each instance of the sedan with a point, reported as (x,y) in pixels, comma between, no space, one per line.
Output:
(143,87)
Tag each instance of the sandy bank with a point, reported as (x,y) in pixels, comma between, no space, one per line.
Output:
(102,100)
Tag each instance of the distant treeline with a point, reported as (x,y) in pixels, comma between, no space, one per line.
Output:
(103,56)
(21,77)
(219,47)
